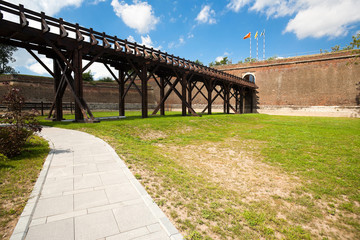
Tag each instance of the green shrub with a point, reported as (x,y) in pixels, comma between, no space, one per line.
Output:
(3,158)
(16,125)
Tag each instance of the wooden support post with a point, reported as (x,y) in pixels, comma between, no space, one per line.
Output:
(121,92)
(144,92)
(241,101)
(162,95)
(183,94)
(189,95)
(209,87)
(227,97)
(78,84)
(251,100)
(237,100)
(58,100)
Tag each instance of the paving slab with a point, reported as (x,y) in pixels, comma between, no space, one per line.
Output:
(85,191)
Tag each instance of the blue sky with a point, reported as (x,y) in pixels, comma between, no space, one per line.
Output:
(208,30)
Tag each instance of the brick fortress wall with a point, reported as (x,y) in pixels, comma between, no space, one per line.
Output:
(103,95)
(320,85)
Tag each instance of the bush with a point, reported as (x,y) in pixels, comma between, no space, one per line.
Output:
(17,126)
(3,158)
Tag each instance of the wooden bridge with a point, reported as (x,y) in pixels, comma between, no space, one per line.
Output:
(69,44)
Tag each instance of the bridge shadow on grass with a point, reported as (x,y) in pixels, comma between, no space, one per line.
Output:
(128,117)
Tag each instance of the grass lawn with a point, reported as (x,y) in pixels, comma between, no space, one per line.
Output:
(245,176)
(17,178)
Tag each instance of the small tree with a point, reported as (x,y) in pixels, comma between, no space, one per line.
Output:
(272,58)
(88,76)
(248,60)
(197,61)
(348,47)
(223,61)
(356,41)
(17,126)
(335,48)
(6,53)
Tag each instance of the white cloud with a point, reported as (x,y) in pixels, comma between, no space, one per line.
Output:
(311,18)
(171,45)
(236,5)
(50,7)
(190,35)
(279,8)
(99,70)
(177,44)
(146,41)
(332,19)
(24,59)
(37,68)
(219,58)
(206,15)
(95,2)
(131,38)
(139,15)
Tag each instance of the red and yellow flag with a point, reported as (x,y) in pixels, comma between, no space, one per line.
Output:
(247,35)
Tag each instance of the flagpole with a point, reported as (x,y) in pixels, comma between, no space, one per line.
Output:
(250,47)
(257,45)
(264,46)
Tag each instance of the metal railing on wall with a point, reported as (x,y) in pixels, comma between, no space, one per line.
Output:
(41,107)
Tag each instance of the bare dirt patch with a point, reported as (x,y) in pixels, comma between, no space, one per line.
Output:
(237,166)
(228,164)
(150,134)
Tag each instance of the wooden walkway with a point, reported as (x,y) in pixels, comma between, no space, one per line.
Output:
(69,44)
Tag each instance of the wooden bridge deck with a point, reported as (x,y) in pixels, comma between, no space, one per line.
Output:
(69,44)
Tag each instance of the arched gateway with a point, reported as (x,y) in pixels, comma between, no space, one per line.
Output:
(69,44)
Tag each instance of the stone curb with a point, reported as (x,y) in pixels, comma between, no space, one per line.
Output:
(170,229)
(22,225)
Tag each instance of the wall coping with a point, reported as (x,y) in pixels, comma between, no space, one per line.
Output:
(49,80)
(292,60)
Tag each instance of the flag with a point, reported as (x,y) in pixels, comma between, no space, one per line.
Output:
(256,34)
(262,33)
(247,35)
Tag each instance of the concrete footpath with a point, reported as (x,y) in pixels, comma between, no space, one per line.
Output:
(85,191)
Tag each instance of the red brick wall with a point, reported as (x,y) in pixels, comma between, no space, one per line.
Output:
(317,80)
(37,89)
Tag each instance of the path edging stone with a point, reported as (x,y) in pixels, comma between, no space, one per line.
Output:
(23,223)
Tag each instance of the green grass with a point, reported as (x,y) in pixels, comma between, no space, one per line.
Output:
(320,155)
(17,178)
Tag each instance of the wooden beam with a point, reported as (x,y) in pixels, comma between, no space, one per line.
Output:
(167,94)
(162,94)
(144,90)
(92,61)
(121,82)
(41,62)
